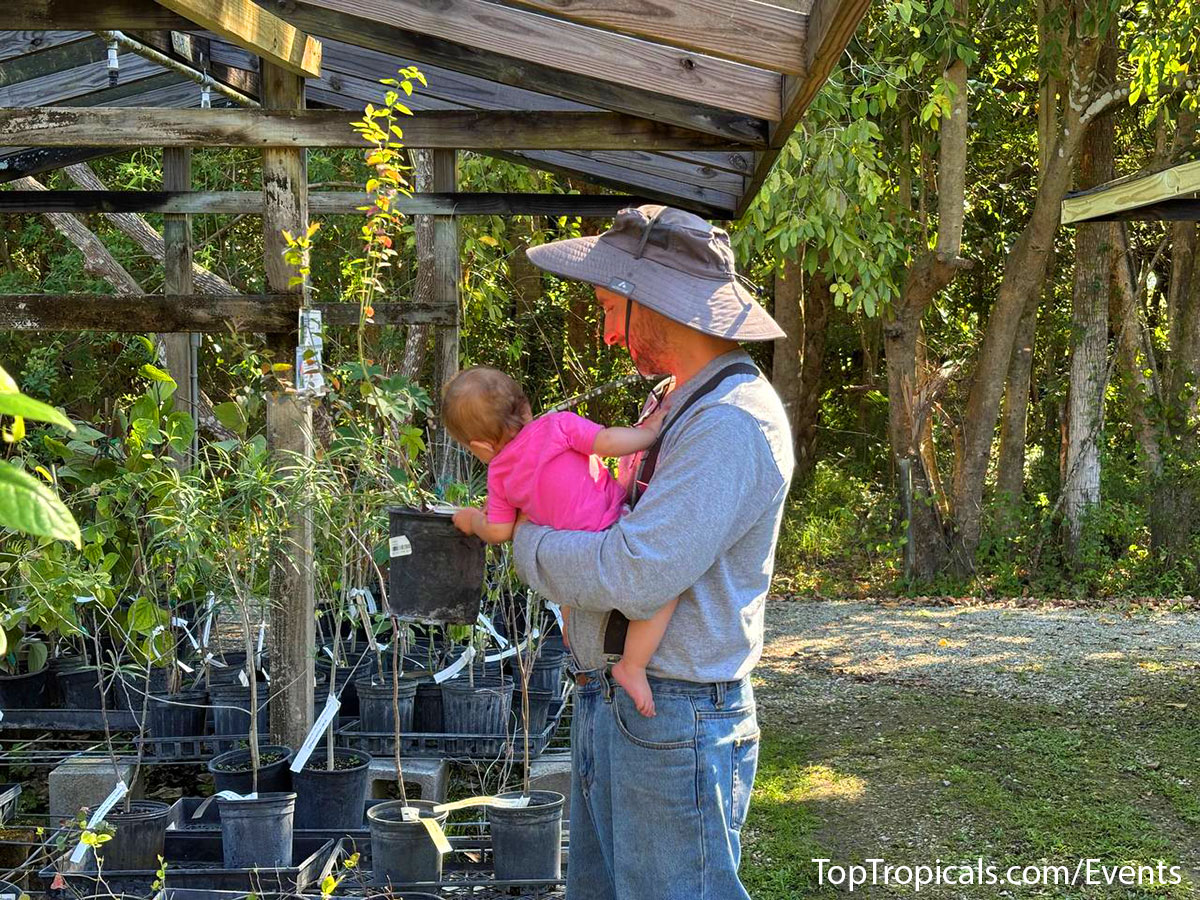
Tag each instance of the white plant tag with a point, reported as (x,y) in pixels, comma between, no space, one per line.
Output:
(224,795)
(209,615)
(186,668)
(242,679)
(558,616)
(183,623)
(332,705)
(491,629)
(372,606)
(88,599)
(455,667)
(399,546)
(213,661)
(119,791)
(365,617)
(512,651)
(262,635)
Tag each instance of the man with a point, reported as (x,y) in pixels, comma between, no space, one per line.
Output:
(658,802)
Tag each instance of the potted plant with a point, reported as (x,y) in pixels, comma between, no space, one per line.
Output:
(23,672)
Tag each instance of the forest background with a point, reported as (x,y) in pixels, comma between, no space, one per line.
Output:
(1030,388)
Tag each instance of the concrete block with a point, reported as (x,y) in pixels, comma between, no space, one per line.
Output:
(431,775)
(84,783)
(552,772)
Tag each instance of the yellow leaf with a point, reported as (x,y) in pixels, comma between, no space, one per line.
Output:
(489,240)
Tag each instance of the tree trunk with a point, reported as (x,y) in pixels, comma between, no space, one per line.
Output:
(802,308)
(1094,243)
(1010,472)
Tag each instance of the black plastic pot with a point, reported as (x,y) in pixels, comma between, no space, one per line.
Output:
(258,833)
(231,771)
(403,852)
(376,713)
(9,891)
(231,712)
(79,688)
(227,674)
(26,691)
(547,671)
(436,575)
(540,703)
(482,708)
(527,841)
(131,687)
(139,834)
(175,716)
(427,707)
(332,799)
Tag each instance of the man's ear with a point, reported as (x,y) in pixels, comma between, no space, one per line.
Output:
(483,449)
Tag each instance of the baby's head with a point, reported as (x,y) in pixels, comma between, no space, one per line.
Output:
(483,409)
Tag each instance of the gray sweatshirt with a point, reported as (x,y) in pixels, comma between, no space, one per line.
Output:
(703,531)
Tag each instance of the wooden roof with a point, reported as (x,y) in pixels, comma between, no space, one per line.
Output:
(735,73)
(1170,194)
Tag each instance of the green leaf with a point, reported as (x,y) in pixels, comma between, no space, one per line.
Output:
(38,654)
(232,416)
(19,405)
(154,373)
(28,506)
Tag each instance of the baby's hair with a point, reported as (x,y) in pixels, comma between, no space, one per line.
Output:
(483,404)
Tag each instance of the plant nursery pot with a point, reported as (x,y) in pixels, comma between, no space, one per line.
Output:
(539,710)
(482,708)
(332,799)
(177,715)
(139,835)
(427,707)
(9,891)
(435,572)
(26,691)
(403,852)
(258,833)
(231,771)
(235,661)
(79,688)
(546,674)
(131,688)
(376,713)
(527,842)
(231,712)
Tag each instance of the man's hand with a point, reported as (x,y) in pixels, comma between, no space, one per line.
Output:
(468,519)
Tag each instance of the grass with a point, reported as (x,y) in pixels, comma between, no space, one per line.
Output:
(912,777)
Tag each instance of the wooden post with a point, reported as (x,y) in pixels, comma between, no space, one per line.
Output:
(447,278)
(177,279)
(289,431)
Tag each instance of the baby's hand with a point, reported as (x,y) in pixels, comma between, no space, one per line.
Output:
(465,519)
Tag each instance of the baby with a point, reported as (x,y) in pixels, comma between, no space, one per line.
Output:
(548,469)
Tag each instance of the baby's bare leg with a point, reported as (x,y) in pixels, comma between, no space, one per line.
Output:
(641,641)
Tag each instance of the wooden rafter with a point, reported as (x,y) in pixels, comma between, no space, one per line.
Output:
(468,130)
(1172,192)
(250,26)
(35,15)
(757,34)
(576,48)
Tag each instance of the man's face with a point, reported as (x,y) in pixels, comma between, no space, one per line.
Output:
(647,332)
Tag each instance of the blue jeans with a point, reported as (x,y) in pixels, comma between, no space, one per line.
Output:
(657,805)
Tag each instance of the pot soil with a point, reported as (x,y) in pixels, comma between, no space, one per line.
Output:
(403,852)
(79,687)
(376,713)
(332,799)
(26,691)
(482,708)
(257,833)
(139,834)
(440,579)
(527,841)
(231,771)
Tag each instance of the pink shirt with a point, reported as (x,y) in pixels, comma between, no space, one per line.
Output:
(549,472)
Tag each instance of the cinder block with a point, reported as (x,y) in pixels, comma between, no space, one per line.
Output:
(431,775)
(552,772)
(80,783)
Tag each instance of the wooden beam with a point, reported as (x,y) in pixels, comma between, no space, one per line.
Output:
(757,34)
(249,25)
(831,25)
(62,126)
(629,98)
(177,279)
(447,278)
(106,15)
(144,313)
(249,203)
(579,49)
(1127,194)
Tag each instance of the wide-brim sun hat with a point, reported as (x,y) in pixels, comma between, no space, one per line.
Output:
(672,262)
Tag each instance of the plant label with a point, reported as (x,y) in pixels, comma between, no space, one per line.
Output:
(399,546)
(365,618)
(262,634)
(558,616)
(455,667)
(332,705)
(119,791)
(224,795)
(505,802)
(436,835)
(242,679)
(491,629)
(186,668)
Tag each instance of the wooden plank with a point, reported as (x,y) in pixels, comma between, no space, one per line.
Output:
(19,43)
(177,279)
(249,25)
(144,313)
(576,48)
(106,15)
(322,203)
(62,55)
(1131,193)
(74,83)
(525,73)
(442,129)
(831,25)
(447,278)
(757,34)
